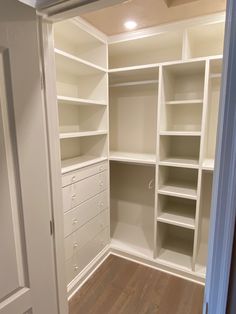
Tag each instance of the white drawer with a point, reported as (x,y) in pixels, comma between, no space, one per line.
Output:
(78,239)
(80,215)
(80,191)
(80,174)
(86,254)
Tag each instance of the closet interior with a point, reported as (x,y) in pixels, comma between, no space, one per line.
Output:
(138,121)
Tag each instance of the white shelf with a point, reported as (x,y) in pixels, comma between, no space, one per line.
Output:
(179,215)
(208,164)
(130,238)
(68,165)
(149,159)
(185,102)
(215,76)
(79,101)
(74,65)
(180,162)
(179,189)
(134,83)
(126,70)
(180,133)
(81,134)
(177,252)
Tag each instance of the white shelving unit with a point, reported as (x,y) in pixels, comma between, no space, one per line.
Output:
(147,102)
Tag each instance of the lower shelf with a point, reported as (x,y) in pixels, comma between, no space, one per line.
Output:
(68,165)
(131,238)
(179,190)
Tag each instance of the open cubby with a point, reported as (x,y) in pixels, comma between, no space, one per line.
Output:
(175,245)
(204,221)
(147,50)
(176,211)
(82,118)
(182,117)
(179,151)
(179,182)
(80,81)
(206,40)
(78,152)
(71,38)
(133,119)
(132,207)
(184,82)
(212,114)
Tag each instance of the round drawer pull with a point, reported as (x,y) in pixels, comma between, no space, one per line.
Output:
(73,196)
(101,183)
(75,245)
(73,179)
(75,221)
(76,267)
(101,204)
(101,168)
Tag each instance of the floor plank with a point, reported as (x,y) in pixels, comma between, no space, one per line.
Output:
(120,286)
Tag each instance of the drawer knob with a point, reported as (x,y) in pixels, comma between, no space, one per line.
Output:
(75,245)
(101,204)
(73,196)
(76,267)
(73,179)
(75,221)
(101,183)
(101,168)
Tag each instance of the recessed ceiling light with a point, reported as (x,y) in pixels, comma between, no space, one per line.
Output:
(130,24)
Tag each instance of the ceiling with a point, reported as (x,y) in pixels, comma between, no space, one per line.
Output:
(149,13)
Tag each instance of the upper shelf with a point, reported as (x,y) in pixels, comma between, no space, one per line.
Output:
(149,159)
(74,65)
(79,101)
(82,134)
(70,37)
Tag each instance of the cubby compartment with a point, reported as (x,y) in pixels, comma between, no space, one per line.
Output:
(212,113)
(78,80)
(205,40)
(71,38)
(184,84)
(182,117)
(132,208)
(181,151)
(80,152)
(82,118)
(147,50)
(179,182)
(175,245)
(176,211)
(204,221)
(133,121)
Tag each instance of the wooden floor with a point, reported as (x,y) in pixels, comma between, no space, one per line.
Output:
(123,287)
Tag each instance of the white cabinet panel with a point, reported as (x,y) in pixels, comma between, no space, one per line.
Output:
(78,216)
(75,194)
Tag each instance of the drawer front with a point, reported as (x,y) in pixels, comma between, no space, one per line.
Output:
(76,193)
(78,239)
(80,215)
(86,254)
(80,174)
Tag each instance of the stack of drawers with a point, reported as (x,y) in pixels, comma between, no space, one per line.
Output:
(86,216)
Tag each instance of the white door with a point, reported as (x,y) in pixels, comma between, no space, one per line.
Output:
(27,274)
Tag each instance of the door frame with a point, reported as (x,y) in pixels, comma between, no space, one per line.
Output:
(223,209)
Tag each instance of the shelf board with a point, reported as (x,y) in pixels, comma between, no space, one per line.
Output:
(185,102)
(180,133)
(208,164)
(68,165)
(177,252)
(134,83)
(215,76)
(75,65)
(180,162)
(179,189)
(131,238)
(135,68)
(181,215)
(149,159)
(81,134)
(79,101)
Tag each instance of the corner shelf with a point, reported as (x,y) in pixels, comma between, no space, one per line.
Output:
(71,164)
(79,101)
(136,158)
(81,134)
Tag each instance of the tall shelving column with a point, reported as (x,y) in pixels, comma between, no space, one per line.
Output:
(181,103)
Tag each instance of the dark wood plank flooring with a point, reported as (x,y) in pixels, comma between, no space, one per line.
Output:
(120,286)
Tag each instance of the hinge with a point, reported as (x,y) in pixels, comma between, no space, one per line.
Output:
(51,227)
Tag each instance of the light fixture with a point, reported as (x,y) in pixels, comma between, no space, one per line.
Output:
(130,24)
